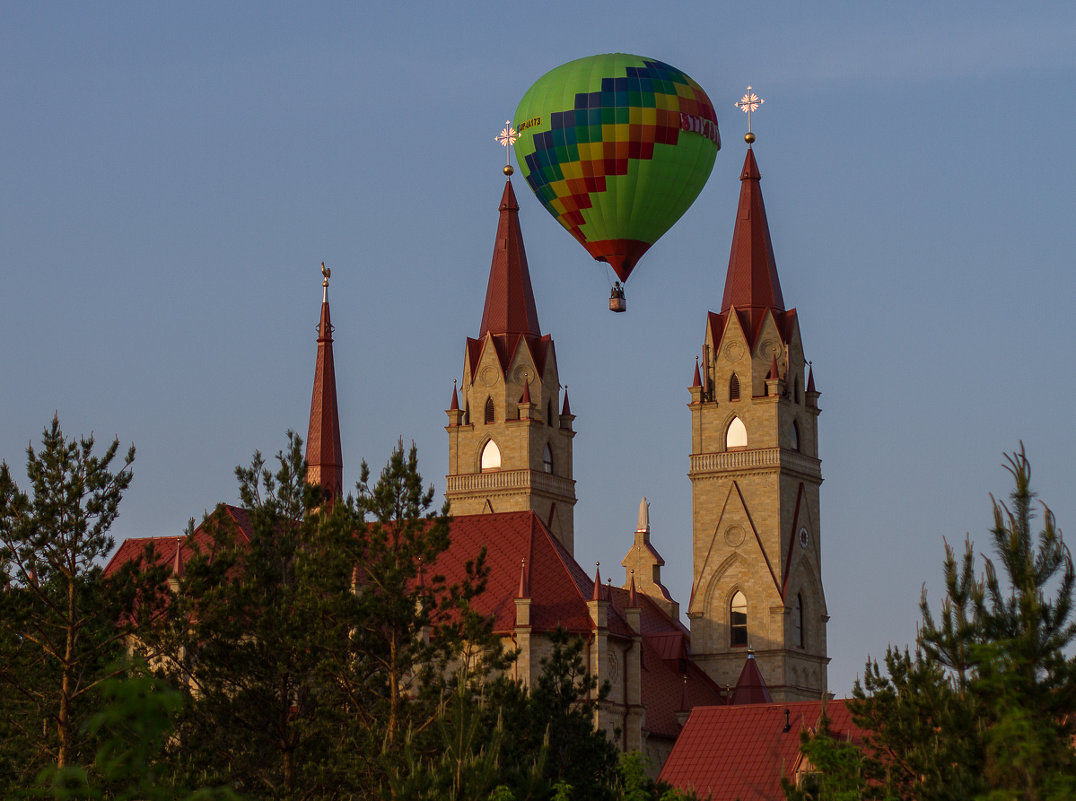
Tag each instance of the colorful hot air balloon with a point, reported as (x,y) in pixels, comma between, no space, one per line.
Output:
(616,147)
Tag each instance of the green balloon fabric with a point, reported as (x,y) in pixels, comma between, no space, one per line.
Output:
(616,147)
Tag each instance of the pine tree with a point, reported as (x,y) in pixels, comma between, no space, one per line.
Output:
(62,621)
(985,708)
(246,635)
(413,639)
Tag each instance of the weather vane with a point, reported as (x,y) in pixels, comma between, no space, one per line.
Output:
(325,272)
(507,137)
(747,104)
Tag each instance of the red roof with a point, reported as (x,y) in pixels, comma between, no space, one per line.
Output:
(751,687)
(510,316)
(324,456)
(742,752)
(752,283)
(559,589)
(751,323)
(164,548)
(510,305)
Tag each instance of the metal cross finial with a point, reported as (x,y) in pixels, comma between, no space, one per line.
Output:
(507,137)
(749,103)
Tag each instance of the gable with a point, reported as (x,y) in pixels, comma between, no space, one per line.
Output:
(742,752)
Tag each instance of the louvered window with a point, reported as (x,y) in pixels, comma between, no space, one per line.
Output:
(489,410)
(734,388)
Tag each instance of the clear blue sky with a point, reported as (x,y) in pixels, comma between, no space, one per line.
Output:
(172,176)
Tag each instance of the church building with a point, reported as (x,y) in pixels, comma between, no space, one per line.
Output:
(757,611)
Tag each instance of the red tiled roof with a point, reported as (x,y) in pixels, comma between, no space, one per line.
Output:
(666,661)
(741,752)
(559,587)
(559,590)
(164,548)
(666,694)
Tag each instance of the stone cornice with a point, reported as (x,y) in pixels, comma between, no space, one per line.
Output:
(534,480)
(752,460)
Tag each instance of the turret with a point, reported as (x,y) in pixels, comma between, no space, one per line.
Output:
(509,449)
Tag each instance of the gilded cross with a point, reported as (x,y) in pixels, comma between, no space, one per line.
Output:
(749,103)
(507,137)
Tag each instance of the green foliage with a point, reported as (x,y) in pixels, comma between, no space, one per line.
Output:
(556,718)
(317,657)
(633,783)
(133,726)
(324,656)
(468,763)
(985,706)
(837,768)
(245,635)
(62,622)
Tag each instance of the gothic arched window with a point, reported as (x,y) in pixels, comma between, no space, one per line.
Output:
(734,388)
(491,456)
(547,459)
(738,619)
(795,436)
(736,436)
(549,413)
(489,410)
(797,622)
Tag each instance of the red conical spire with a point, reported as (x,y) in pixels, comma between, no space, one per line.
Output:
(455,407)
(697,381)
(526,397)
(597,595)
(751,687)
(774,374)
(566,409)
(524,590)
(810,379)
(752,284)
(510,305)
(177,560)
(324,459)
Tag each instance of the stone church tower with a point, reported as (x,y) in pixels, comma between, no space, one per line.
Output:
(755,476)
(510,440)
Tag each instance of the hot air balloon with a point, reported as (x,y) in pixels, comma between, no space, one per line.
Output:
(616,147)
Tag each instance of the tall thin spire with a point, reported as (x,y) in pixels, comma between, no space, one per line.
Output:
(509,305)
(324,459)
(751,284)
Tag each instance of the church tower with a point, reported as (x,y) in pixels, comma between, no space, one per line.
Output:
(755,476)
(509,439)
(324,456)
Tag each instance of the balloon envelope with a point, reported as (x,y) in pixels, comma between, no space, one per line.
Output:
(616,147)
